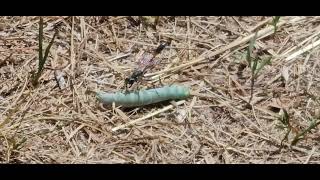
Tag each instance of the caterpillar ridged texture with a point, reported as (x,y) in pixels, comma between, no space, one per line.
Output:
(144,97)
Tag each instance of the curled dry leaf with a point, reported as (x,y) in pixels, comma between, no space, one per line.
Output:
(181,115)
(283,103)
(285,73)
(58,74)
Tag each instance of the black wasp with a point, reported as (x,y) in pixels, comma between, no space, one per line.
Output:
(147,62)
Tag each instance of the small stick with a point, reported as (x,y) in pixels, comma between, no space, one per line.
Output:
(260,24)
(310,154)
(302,50)
(5,60)
(147,116)
(72,54)
(107,62)
(154,45)
(119,56)
(75,131)
(14,102)
(302,42)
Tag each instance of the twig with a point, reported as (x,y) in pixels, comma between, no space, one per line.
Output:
(310,154)
(302,50)
(15,101)
(72,55)
(5,60)
(147,116)
(260,24)
(75,131)
(111,66)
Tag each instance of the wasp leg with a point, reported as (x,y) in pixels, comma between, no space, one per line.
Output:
(126,87)
(171,84)
(126,90)
(153,85)
(138,82)
(156,91)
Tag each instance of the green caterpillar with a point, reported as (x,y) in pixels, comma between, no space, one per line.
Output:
(144,97)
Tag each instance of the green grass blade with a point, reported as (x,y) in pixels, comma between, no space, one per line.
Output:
(285,138)
(262,64)
(40,43)
(275,21)
(250,48)
(42,59)
(285,118)
(300,136)
(48,47)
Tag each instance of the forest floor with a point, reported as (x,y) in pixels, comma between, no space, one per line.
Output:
(219,123)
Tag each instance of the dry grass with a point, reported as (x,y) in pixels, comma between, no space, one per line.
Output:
(46,124)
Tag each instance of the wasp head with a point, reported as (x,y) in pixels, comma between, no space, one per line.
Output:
(129,81)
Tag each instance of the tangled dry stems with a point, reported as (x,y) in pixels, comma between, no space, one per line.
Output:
(49,125)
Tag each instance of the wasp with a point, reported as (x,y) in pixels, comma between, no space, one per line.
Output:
(147,62)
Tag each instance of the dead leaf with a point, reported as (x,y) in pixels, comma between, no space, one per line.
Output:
(181,115)
(283,103)
(59,76)
(285,73)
